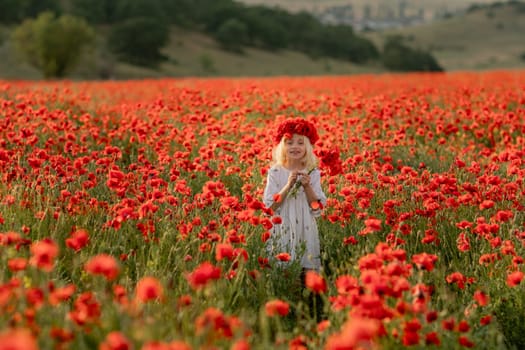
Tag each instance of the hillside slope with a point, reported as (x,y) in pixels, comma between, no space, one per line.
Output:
(488,38)
(191,54)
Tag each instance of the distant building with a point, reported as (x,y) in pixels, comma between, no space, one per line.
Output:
(383,17)
(343,14)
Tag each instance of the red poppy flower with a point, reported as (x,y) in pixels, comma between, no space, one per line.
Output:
(78,239)
(315,282)
(283,257)
(432,338)
(373,224)
(35,297)
(431,316)
(315,205)
(86,309)
(425,261)
(410,338)
(503,215)
(58,295)
(173,345)
(514,278)
(184,300)
(356,332)
(120,294)
(148,289)
(466,342)
(61,335)
(17,264)
(458,278)
(203,274)
(298,343)
(224,251)
(350,240)
(212,320)
(276,220)
(9,238)
(323,325)
(115,341)
(481,298)
(44,253)
(277,307)
(263,262)
(448,324)
(104,265)
(485,320)
(17,339)
(265,236)
(487,204)
(463,326)
(330,160)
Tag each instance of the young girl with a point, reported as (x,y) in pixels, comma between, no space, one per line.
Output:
(293,191)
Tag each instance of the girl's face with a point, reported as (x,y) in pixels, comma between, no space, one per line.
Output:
(295,147)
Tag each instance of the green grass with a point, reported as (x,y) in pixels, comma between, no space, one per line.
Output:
(480,40)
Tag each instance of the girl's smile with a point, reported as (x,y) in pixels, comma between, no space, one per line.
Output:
(295,147)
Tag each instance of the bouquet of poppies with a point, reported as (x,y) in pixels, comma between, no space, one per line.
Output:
(329,161)
(298,184)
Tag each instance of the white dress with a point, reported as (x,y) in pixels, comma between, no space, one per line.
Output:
(297,235)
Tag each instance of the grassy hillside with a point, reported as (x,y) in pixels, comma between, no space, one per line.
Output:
(483,39)
(197,54)
(191,54)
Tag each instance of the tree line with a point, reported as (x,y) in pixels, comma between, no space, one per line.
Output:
(135,31)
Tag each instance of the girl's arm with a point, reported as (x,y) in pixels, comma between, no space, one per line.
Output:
(285,190)
(313,190)
(310,193)
(282,195)
(272,191)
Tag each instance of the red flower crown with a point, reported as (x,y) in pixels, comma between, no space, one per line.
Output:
(298,126)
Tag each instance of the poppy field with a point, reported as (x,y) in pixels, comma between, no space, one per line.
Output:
(131,214)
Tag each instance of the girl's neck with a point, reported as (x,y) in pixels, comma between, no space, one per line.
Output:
(294,166)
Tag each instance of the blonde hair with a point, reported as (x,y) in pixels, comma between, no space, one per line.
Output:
(279,154)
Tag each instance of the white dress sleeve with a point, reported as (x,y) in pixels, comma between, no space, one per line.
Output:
(271,188)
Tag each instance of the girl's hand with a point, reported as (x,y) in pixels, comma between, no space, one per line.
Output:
(304,179)
(292,179)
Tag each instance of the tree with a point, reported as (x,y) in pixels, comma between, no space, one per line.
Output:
(139,40)
(14,11)
(305,33)
(128,9)
(265,28)
(232,35)
(94,11)
(11,11)
(53,44)
(399,57)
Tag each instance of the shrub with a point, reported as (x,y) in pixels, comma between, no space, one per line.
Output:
(232,35)
(53,44)
(139,40)
(399,57)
